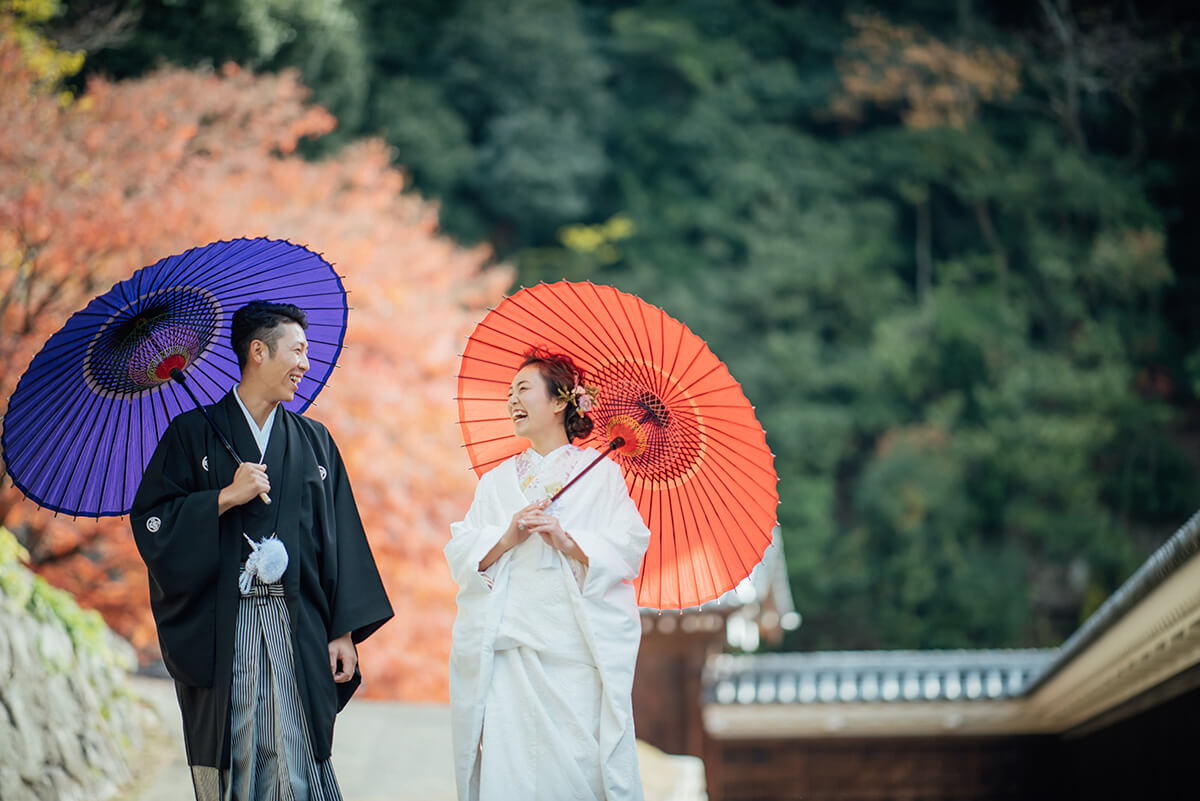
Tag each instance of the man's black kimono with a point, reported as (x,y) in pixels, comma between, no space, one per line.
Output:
(193,557)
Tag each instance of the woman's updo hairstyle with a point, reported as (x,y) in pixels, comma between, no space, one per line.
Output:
(562,377)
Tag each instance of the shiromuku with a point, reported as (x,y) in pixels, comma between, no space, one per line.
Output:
(547,631)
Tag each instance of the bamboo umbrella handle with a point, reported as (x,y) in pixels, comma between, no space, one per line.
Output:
(612,446)
(180,379)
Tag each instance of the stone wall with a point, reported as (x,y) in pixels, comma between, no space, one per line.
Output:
(69,723)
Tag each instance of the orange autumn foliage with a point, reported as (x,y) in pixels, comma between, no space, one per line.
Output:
(931,82)
(137,170)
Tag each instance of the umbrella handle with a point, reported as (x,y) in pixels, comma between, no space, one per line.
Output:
(612,446)
(180,379)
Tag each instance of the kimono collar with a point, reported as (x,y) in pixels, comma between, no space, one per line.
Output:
(536,458)
(261,435)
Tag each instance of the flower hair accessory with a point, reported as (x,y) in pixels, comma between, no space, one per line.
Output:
(581,395)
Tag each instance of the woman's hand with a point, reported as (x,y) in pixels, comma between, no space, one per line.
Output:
(551,531)
(518,528)
(517,532)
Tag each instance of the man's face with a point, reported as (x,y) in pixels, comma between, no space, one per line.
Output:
(280,372)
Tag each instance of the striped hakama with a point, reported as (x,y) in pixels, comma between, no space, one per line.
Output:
(272,754)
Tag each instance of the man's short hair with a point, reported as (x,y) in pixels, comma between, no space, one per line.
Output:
(260,319)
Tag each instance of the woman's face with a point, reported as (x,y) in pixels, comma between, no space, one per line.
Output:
(530,406)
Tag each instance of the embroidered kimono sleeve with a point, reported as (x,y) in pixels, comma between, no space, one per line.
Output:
(472,537)
(177,531)
(616,542)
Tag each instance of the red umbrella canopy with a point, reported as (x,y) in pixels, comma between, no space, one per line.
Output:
(695,457)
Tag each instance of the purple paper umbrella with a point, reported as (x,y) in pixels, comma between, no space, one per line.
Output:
(90,409)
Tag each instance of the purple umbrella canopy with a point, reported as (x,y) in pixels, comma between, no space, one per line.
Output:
(90,409)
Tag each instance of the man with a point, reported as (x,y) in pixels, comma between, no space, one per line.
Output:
(263,657)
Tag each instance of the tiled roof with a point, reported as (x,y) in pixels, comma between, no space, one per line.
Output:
(831,677)
(1182,546)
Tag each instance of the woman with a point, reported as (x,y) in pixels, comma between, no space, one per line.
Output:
(547,632)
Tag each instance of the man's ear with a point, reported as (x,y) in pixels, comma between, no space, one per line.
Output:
(258,351)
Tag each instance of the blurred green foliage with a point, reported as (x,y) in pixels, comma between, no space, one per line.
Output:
(958,289)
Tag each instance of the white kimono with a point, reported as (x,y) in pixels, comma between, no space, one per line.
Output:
(541,669)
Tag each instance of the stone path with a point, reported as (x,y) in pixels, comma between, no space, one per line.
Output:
(382,751)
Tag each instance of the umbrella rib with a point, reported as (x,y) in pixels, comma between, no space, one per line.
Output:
(166,415)
(688,511)
(497,311)
(636,348)
(236,276)
(719,528)
(731,468)
(182,266)
(481,360)
(747,514)
(107,405)
(41,465)
(497,460)
(35,383)
(620,347)
(734,466)
(251,292)
(493,439)
(656,380)
(250,271)
(597,325)
(580,333)
(695,357)
(473,340)
(746,521)
(651,517)
(644,498)
(217,263)
(619,300)
(657,507)
(37,424)
(574,335)
(680,334)
(126,501)
(143,457)
(710,417)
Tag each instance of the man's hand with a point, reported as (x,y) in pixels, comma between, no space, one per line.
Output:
(343,658)
(248,482)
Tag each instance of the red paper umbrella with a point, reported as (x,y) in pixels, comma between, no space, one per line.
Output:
(694,456)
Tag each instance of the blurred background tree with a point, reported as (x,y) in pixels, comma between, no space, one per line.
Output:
(948,255)
(138,169)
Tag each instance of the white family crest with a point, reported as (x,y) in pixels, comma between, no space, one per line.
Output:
(153,524)
(204,463)
(321,469)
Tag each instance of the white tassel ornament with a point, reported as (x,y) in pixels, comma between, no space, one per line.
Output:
(268,559)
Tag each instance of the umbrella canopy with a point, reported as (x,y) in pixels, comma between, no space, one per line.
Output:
(90,409)
(695,458)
